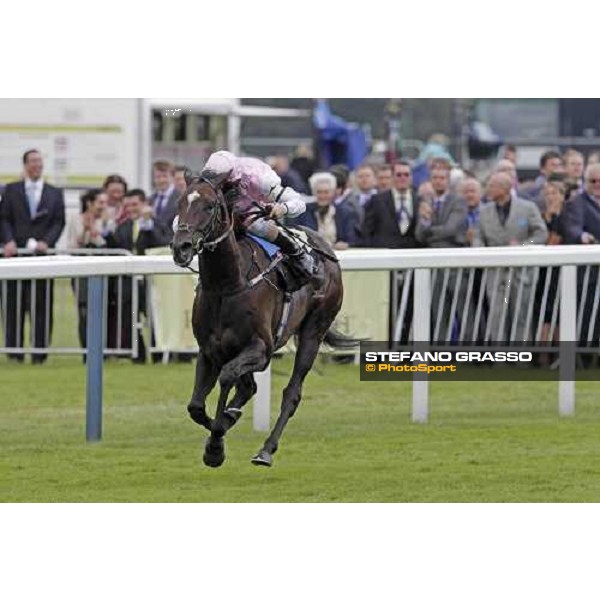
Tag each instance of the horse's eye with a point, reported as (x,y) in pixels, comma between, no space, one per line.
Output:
(191,197)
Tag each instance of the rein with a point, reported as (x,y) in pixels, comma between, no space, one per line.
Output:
(199,236)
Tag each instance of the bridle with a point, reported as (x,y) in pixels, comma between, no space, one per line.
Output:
(200,237)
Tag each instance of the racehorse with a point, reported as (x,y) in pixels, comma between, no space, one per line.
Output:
(242,314)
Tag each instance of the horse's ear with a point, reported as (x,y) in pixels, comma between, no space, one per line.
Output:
(189,176)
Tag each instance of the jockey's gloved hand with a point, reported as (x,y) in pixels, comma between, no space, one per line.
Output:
(278,211)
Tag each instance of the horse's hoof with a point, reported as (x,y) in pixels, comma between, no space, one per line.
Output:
(214,453)
(262,459)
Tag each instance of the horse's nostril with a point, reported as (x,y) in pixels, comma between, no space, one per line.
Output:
(183,248)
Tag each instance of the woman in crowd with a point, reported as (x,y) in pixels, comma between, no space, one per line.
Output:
(115,187)
(554,194)
(336,223)
(86,230)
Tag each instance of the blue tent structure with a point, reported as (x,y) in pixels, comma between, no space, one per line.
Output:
(337,140)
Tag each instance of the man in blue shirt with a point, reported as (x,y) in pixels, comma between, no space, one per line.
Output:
(470,190)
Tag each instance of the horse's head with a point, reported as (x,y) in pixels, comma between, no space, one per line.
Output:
(203,220)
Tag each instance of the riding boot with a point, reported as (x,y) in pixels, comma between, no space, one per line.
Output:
(303,264)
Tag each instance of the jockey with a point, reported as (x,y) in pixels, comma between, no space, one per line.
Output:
(251,182)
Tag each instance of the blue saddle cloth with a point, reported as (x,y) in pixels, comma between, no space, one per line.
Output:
(271,249)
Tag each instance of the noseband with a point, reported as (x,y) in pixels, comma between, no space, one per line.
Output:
(200,241)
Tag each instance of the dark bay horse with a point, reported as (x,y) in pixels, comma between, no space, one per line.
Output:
(236,324)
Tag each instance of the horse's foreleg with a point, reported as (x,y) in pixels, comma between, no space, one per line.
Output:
(206,378)
(245,389)
(214,448)
(253,358)
(308,347)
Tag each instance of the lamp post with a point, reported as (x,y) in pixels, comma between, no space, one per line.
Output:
(393,121)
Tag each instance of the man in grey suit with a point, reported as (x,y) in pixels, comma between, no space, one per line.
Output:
(442,223)
(509,221)
(165,197)
(366,189)
(443,218)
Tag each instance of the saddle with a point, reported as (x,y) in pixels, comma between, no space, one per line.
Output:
(287,276)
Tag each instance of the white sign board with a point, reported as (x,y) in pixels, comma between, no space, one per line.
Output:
(81,140)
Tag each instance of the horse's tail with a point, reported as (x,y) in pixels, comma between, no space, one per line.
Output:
(337,339)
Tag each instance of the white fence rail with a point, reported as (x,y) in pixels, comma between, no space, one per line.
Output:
(49,267)
(45,305)
(568,258)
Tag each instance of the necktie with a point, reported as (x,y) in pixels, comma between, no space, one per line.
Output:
(31,199)
(404,202)
(403,216)
(159,204)
(136,231)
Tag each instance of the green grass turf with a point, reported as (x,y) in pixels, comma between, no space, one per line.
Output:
(349,441)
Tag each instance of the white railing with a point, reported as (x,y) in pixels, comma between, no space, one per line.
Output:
(24,297)
(354,259)
(422,261)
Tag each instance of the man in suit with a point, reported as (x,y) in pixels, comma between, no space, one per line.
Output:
(581,219)
(137,233)
(365,190)
(470,189)
(164,199)
(442,223)
(551,163)
(337,224)
(574,168)
(390,222)
(385,178)
(391,216)
(32,216)
(581,225)
(140,230)
(509,221)
(179,179)
(288,175)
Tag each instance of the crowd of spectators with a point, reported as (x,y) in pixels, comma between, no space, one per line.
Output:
(376,206)
(384,210)
(113,217)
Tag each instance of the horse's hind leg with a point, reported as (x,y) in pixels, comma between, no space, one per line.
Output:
(206,378)
(309,341)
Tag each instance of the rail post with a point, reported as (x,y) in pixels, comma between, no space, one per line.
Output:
(422,331)
(262,402)
(95,329)
(568,338)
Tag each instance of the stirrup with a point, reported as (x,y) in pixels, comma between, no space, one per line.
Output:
(311,271)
